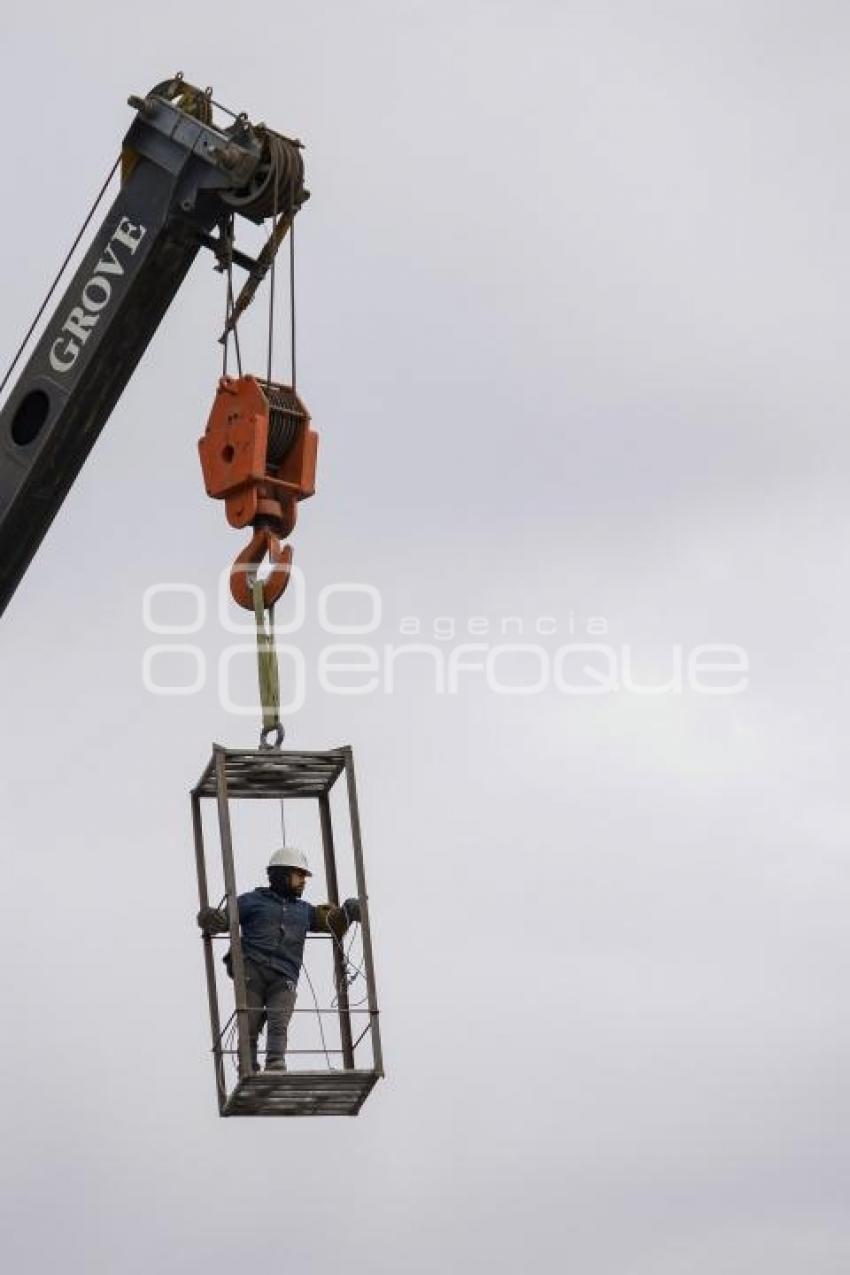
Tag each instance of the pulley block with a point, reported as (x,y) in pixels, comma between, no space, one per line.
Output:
(258,455)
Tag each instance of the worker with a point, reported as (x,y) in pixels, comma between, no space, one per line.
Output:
(274,921)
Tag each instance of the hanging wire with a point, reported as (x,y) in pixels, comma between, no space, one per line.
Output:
(359,969)
(59,274)
(351,972)
(228,1042)
(271,284)
(235,326)
(231,1046)
(292,276)
(228,292)
(319,1019)
(227,230)
(290,215)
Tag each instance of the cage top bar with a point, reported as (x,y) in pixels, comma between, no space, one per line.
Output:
(265,772)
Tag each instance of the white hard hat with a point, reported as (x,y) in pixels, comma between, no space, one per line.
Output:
(290,857)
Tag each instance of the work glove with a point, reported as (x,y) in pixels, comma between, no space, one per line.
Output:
(351,908)
(212,920)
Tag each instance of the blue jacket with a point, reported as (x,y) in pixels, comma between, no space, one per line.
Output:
(274,930)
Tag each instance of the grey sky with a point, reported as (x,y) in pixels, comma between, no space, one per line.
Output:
(572,311)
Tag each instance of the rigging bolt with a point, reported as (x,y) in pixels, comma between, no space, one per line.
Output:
(143,104)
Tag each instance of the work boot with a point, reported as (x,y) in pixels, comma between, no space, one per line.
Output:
(275,1064)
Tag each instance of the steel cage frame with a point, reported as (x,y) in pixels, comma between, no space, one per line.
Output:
(234,774)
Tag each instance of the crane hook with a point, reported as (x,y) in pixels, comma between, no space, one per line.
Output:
(244,570)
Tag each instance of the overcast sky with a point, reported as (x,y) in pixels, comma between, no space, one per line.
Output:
(572,314)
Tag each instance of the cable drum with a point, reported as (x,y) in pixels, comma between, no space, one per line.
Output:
(277,183)
(285,415)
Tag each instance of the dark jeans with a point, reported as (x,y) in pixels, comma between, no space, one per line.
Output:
(274,993)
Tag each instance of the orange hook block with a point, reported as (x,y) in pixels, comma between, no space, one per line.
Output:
(258,455)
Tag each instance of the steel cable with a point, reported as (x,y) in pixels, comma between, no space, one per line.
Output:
(59,274)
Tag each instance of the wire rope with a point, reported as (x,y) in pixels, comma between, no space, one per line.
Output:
(59,274)
(319,1019)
